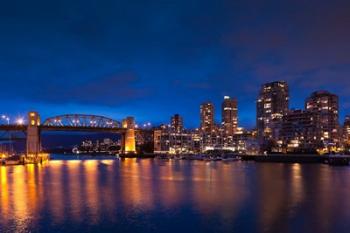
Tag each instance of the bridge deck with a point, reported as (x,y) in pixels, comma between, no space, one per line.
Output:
(64,128)
(82,129)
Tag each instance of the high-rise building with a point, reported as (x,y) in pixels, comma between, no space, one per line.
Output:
(326,107)
(346,127)
(229,116)
(207,117)
(346,133)
(272,104)
(177,123)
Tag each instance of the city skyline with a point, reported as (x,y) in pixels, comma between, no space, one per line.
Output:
(190,123)
(175,116)
(141,59)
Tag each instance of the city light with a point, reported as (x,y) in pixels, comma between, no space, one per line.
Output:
(20,121)
(6,118)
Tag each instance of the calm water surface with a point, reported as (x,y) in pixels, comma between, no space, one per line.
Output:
(174,196)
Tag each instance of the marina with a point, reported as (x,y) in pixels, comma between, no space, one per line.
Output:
(10,160)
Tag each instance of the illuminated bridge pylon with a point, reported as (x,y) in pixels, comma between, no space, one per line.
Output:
(81,120)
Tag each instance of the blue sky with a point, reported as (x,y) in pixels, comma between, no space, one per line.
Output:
(152,59)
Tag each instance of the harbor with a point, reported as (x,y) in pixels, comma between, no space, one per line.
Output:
(333,160)
(11,160)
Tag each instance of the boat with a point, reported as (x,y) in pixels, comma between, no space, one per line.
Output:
(178,157)
(338,160)
(231,159)
(163,156)
(199,157)
(13,160)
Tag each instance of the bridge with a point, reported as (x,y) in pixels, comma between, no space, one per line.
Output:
(73,122)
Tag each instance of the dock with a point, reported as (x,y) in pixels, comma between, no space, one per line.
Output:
(25,159)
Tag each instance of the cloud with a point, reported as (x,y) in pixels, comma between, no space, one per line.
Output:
(171,54)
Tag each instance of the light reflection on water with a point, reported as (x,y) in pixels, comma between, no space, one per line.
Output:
(174,196)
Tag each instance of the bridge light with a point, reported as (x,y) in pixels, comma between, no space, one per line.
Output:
(20,121)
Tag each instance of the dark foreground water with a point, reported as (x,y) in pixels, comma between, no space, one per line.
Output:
(174,196)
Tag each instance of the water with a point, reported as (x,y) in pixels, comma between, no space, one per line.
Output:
(174,196)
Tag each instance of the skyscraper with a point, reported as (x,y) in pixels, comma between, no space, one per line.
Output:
(207,117)
(229,116)
(326,106)
(346,132)
(272,104)
(177,123)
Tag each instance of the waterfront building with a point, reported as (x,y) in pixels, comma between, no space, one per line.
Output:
(107,145)
(346,129)
(207,117)
(346,134)
(177,123)
(208,128)
(298,132)
(229,116)
(272,105)
(169,142)
(326,107)
(245,142)
(145,141)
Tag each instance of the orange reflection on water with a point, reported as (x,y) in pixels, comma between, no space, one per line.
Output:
(136,183)
(4,192)
(57,191)
(93,191)
(20,195)
(171,179)
(219,186)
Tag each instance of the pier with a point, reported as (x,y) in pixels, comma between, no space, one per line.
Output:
(25,159)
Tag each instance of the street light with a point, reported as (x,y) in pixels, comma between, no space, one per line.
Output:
(6,118)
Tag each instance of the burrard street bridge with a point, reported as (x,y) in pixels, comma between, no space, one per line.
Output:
(74,122)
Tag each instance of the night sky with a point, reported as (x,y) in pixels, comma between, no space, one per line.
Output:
(152,59)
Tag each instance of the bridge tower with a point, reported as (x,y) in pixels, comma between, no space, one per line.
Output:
(129,141)
(33,134)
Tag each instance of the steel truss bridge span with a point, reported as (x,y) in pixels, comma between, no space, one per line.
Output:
(71,121)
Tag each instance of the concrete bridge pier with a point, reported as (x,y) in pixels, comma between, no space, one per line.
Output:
(128,138)
(33,135)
